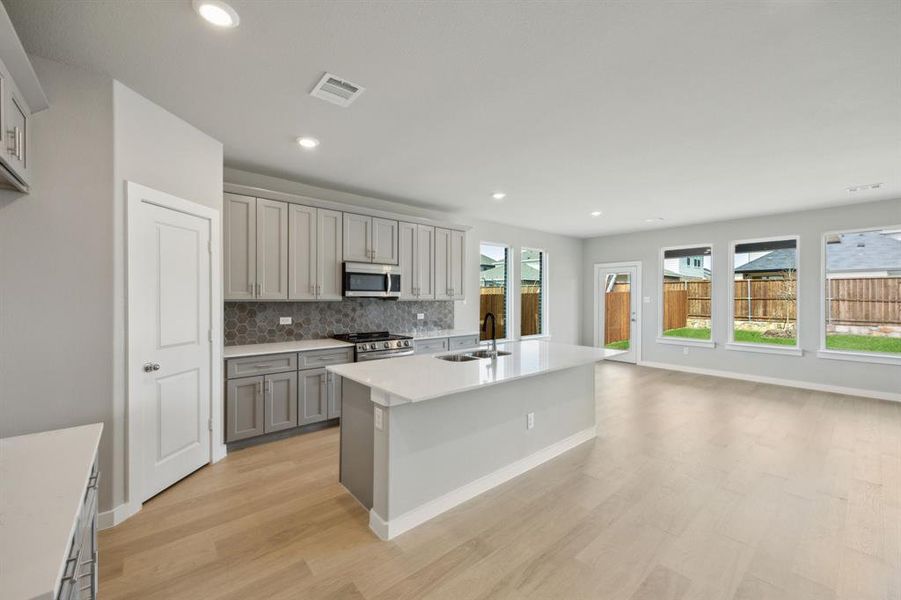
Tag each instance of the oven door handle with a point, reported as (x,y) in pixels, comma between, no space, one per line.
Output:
(383,355)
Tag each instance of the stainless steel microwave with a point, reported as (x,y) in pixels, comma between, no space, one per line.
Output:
(363,280)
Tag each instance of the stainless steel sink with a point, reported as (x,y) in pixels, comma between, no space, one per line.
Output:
(488,353)
(457,357)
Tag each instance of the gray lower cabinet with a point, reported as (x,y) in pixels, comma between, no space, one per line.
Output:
(335,392)
(280,409)
(244,410)
(312,399)
(431,346)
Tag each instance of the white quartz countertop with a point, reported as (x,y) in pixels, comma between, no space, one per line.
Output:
(440,333)
(424,377)
(280,347)
(43,477)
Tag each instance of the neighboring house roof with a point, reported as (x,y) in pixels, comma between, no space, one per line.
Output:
(497,274)
(782,259)
(867,251)
(684,277)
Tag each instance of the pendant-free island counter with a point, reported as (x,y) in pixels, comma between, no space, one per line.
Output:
(420,435)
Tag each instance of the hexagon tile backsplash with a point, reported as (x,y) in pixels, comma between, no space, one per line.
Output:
(257,322)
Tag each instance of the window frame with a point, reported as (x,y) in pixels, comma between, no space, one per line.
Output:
(509,334)
(661,269)
(731,344)
(882,358)
(544,301)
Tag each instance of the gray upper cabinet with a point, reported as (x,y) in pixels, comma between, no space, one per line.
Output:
(244,408)
(370,239)
(312,399)
(416,257)
(272,250)
(457,264)
(329,253)
(442,263)
(280,409)
(406,252)
(240,247)
(357,238)
(303,233)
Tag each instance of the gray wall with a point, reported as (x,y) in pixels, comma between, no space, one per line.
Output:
(809,225)
(56,267)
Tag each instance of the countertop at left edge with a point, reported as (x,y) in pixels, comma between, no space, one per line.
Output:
(281,347)
(43,477)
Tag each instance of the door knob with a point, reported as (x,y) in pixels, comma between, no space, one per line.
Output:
(156,366)
(148,367)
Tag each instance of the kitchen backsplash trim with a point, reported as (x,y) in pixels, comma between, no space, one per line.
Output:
(258,322)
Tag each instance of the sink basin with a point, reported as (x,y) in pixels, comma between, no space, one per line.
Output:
(487,353)
(457,357)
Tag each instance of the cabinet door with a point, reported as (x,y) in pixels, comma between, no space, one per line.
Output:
(302,244)
(281,401)
(335,386)
(240,247)
(329,252)
(384,241)
(457,264)
(272,250)
(357,238)
(243,408)
(407,246)
(15,145)
(425,262)
(442,260)
(312,399)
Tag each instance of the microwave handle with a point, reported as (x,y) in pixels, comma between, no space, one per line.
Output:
(388,282)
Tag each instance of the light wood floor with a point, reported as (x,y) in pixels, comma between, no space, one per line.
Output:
(696,487)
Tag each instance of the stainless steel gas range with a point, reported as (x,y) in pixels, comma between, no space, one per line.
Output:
(376,345)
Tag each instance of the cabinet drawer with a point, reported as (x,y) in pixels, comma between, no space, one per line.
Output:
(464,341)
(430,346)
(320,358)
(259,365)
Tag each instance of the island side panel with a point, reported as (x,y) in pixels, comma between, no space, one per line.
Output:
(438,446)
(357,442)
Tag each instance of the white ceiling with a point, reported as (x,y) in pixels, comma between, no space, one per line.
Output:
(691,111)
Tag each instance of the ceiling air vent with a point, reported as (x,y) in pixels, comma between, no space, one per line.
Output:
(336,90)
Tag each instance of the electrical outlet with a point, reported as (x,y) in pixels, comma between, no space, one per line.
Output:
(378,418)
(530,420)
(420,316)
(284,320)
(685,350)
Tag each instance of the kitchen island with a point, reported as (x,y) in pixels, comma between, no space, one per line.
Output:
(420,435)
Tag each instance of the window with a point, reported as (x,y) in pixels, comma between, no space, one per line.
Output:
(533,301)
(764,295)
(686,292)
(494,281)
(862,293)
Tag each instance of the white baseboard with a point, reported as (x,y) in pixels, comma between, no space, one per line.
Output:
(390,529)
(794,383)
(111,518)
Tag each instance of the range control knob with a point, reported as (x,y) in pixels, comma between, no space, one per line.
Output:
(387,344)
(406,343)
(372,346)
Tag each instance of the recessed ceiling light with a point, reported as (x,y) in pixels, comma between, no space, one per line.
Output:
(217,13)
(307,142)
(498,195)
(864,188)
(595,213)
(653,220)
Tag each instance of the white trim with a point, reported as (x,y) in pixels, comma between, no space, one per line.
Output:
(879,358)
(730,335)
(636,290)
(850,355)
(793,383)
(387,530)
(765,348)
(681,341)
(111,518)
(509,318)
(545,304)
(661,281)
(134,194)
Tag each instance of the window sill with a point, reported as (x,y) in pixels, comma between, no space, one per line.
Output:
(865,357)
(675,341)
(540,336)
(765,348)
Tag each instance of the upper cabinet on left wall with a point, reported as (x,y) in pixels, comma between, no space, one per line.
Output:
(20,96)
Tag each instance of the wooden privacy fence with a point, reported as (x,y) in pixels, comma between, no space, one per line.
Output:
(857,301)
(616,316)
(492,300)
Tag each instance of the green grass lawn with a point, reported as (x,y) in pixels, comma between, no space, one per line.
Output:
(862,343)
(741,336)
(621,345)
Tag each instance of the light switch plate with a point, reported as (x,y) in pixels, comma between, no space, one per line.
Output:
(284,320)
(420,316)
(530,420)
(647,299)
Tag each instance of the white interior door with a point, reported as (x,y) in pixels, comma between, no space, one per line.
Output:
(617,297)
(170,347)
